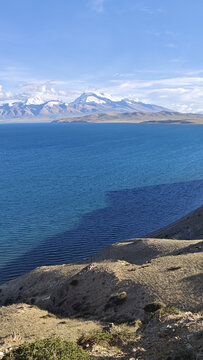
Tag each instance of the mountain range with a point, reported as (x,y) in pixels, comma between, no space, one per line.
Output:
(86,104)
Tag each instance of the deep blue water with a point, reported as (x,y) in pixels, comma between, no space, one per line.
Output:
(68,190)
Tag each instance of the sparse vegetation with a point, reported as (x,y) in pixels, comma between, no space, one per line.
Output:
(108,315)
(48,349)
(163,308)
(167,309)
(136,323)
(153,307)
(116,337)
(95,337)
(116,300)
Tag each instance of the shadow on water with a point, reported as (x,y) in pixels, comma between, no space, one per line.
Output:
(129,213)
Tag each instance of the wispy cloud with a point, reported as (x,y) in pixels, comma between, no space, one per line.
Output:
(14,73)
(152,33)
(182,92)
(179,93)
(46,90)
(177,60)
(171,45)
(148,10)
(97,5)
(172,33)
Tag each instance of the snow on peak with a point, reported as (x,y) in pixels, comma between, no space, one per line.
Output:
(110,97)
(53,103)
(95,99)
(132,101)
(34,101)
(104,96)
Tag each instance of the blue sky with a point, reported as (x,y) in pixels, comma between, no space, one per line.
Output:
(150,50)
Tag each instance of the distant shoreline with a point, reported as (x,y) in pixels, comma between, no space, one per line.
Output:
(175,122)
(163,117)
(167,122)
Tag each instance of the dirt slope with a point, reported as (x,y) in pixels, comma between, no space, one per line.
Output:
(145,269)
(189,227)
(115,286)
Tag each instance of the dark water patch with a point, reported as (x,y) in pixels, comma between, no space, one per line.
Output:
(129,213)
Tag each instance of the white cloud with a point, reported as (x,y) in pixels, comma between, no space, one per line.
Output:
(177,60)
(46,91)
(178,93)
(13,73)
(4,95)
(153,33)
(181,93)
(147,9)
(172,33)
(97,5)
(171,45)
(66,90)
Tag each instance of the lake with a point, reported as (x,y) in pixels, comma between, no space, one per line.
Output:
(69,190)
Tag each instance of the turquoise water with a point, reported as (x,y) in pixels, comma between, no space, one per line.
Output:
(68,190)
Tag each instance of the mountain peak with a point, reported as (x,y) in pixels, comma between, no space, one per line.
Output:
(95,98)
(86,103)
(53,103)
(37,100)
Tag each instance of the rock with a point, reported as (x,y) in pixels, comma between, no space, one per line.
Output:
(200,356)
(196,339)
(109,327)
(169,330)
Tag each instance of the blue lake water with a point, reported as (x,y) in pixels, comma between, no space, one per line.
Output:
(68,190)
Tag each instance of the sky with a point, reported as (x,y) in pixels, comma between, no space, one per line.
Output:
(146,50)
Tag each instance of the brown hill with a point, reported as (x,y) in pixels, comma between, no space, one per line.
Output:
(145,269)
(137,117)
(116,286)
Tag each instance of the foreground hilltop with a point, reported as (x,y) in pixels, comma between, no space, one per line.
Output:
(146,270)
(153,287)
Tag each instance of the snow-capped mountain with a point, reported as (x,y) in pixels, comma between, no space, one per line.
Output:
(87,103)
(31,110)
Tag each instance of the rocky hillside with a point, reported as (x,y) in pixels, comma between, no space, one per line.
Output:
(145,269)
(138,299)
(166,333)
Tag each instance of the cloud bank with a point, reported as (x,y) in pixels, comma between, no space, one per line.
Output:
(180,93)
